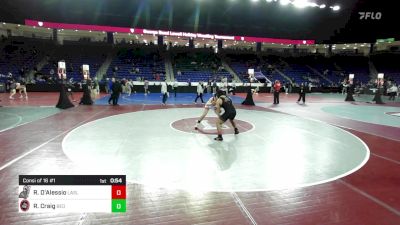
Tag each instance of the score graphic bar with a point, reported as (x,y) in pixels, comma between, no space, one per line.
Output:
(72,193)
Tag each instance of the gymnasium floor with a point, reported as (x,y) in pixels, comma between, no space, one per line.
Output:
(325,162)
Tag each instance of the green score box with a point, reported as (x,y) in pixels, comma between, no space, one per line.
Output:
(118,205)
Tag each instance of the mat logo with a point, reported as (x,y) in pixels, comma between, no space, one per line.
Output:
(370,15)
(397,114)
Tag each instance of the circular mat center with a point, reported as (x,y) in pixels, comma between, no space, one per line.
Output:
(208,126)
(277,151)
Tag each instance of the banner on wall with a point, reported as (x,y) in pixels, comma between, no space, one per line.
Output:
(111,29)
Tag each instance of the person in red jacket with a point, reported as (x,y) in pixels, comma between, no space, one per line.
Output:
(277,88)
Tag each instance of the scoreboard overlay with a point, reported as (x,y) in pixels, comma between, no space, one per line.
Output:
(72,193)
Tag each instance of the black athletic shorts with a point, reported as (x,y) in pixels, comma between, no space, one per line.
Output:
(228,116)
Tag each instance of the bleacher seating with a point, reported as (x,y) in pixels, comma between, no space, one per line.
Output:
(198,65)
(20,55)
(240,63)
(327,67)
(299,72)
(269,65)
(75,55)
(388,63)
(357,65)
(138,63)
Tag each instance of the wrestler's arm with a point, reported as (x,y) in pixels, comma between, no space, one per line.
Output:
(218,106)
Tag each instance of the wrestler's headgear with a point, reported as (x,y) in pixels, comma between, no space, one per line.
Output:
(220,93)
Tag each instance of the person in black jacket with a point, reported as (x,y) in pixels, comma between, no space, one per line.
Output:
(116,91)
(86,98)
(110,86)
(302,93)
(350,91)
(63,101)
(249,97)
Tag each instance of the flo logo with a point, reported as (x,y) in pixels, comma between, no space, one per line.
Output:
(370,15)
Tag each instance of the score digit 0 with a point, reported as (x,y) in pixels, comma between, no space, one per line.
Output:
(119,192)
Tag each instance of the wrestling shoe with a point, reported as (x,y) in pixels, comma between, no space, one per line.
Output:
(196,127)
(236,131)
(219,138)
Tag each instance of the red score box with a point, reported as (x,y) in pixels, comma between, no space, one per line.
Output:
(118,192)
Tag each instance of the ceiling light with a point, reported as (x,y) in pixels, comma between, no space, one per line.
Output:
(335,8)
(284,2)
(301,3)
(322,6)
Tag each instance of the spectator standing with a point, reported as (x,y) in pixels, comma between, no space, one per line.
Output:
(146,87)
(164,92)
(116,91)
(200,91)
(277,89)
(392,92)
(302,93)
